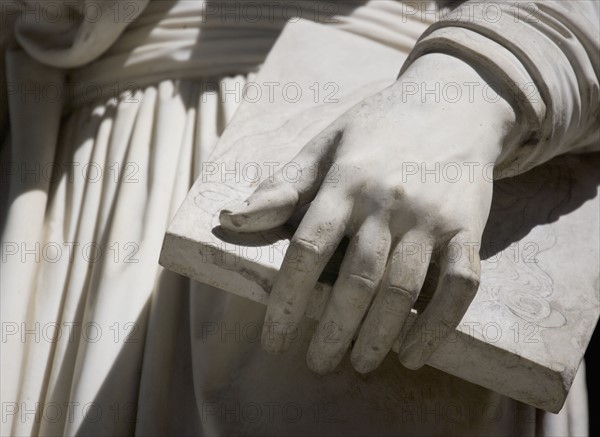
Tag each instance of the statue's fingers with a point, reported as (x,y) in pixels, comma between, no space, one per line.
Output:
(457,286)
(294,185)
(358,279)
(271,205)
(315,240)
(400,287)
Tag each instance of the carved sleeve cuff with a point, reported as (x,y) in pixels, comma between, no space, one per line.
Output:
(545,54)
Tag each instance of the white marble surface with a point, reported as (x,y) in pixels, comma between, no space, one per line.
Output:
(526,331)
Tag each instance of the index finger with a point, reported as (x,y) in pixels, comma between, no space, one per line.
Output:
(313,244)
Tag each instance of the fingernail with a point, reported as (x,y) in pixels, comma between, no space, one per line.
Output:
(414,356)
(229,219)
(361,364)
(235,207)
(231,214)
(318,364)
(320,361)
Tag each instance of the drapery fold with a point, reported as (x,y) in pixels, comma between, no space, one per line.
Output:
(94,225)
(96,338)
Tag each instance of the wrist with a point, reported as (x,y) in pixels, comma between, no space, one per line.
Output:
(444,87)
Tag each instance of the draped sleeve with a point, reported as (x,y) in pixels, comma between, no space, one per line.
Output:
(71,33)
(546,53)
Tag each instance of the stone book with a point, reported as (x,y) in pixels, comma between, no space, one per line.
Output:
(527,329)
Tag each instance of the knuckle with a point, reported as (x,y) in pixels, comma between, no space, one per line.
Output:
(361,282)
(396,292)
(305,245)
(397,192)
(384,193)
(393,190)
(398,300)
(302,255)
(388,195)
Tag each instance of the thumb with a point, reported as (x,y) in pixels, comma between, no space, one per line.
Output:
(268,207)
(276,199)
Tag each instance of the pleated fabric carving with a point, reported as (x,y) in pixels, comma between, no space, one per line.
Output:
(119,171)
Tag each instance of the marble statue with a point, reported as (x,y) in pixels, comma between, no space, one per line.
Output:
(529,297)
(114,108)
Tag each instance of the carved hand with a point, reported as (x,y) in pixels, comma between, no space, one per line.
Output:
(408,179)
